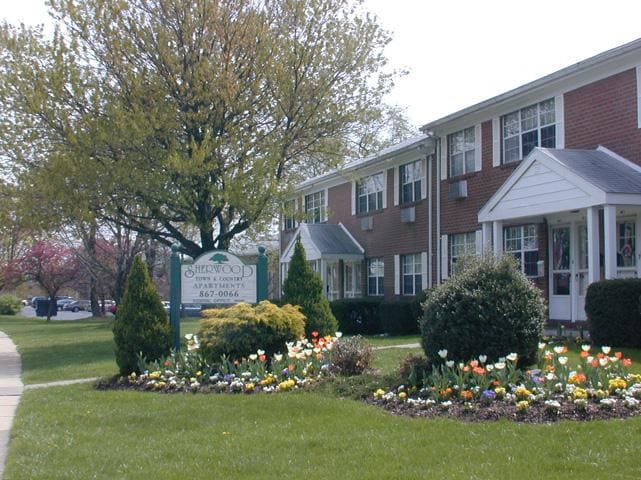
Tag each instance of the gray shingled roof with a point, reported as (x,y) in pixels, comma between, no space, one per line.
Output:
(602,170)
(332,239)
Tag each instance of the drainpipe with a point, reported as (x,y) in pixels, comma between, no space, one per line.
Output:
(429,220)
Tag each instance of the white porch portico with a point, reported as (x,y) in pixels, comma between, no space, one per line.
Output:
(334,254)
(589,202)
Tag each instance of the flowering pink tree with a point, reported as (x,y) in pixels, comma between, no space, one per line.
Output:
(50,265)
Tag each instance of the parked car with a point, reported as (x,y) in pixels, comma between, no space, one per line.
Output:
(64,301)
(190,309)
(34,300)
(77,306)
(112,308)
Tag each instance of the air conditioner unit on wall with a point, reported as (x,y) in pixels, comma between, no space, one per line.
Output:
(458,189)
(367,223)
(408,215)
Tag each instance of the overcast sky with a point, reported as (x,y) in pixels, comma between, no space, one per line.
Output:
(462,52)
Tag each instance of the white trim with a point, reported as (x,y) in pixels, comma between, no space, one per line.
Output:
(444,258)
(497,237)
(429,220)
(637,242)
(486,230)
(353,182)
(559,119)
(444,157)
(610,241)
(592,223)
(396,186)
(478,148)
(638,69)
(285,255)
(352,237)
(423,270)
(397,274)
(618,157)
(496,141)
(325,215)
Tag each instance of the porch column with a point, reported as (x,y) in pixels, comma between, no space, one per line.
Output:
(497,240)
(486,232)
(594,269)
(610,243)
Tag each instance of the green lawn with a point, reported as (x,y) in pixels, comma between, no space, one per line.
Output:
(66,350)
(383,341)
(78,433)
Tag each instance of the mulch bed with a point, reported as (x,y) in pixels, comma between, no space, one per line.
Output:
(536,413)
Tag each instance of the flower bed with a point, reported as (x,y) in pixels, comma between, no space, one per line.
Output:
(599,387)
(305,362)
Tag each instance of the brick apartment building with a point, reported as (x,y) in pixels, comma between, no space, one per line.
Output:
(549,172)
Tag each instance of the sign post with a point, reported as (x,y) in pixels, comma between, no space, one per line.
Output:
(174,297)
(261,275)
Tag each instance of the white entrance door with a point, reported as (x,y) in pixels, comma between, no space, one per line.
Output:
(332,280)
(568,271)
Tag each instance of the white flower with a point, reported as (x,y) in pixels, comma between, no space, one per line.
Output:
(589,358)
(449,363)
(614,359)
(482,358)
(585,348)
(499,365)
(542,345)
(550,376)
(442,353)
(630,402)
(563,360)
(338,334)
(189,336)
(605,350)
(278,357)
(260,352)
(512,357)
(253,356)
(603,361)
(559,349)
(489,368)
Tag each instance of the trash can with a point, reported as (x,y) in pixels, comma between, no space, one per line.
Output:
(42,307)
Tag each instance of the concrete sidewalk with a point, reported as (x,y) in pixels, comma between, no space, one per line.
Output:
(10,390)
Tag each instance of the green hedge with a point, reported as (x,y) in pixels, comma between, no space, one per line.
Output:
(372,316)
(358,316)
(612,307)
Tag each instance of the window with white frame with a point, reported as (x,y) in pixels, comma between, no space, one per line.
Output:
(522,242)
(315,207)
(289,215)
(529,127)
(461,244)
(461,151)
(369,193)
(626,249)
(410,176)
(375,276)
(411,276)
(352,279)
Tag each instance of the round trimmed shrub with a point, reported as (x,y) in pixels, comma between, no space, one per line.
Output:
(488,308)
(241,330)
(9,305)
(141,326)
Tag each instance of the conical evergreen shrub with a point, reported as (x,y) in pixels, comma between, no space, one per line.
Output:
(141,324)
(305,288)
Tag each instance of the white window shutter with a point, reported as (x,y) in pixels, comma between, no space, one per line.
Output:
(423,270)
(353,197)
(478,148)
(325,214)
(639,96)
(443,157)
(479,242)
(444,258)
(384,188)
(396,185)
(424,179)
(397,274)
(496,142)
(560,121)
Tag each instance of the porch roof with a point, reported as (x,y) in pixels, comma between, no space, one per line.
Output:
(325,241)
(557,180)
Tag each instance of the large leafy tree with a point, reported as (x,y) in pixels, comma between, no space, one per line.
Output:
(185,119)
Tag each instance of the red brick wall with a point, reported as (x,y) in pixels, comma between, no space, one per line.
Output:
(389,236)
(605,113)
